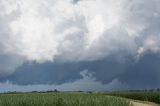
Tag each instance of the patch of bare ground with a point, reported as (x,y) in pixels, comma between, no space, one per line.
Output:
(142,103)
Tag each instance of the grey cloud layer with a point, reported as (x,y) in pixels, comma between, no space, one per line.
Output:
(87,30)
(130,74)
(77,35)
(86,83)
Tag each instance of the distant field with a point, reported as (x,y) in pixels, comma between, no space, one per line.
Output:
(60,99)
(138,95)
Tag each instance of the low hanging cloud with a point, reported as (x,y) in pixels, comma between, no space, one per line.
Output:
(86,83)
(142,74)
(82,30)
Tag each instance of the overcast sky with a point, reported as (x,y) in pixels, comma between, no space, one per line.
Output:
(79,44)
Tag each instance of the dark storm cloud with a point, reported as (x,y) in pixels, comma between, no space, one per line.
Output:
(51,42)
(9,63)
(47,73)
(58,73)
(75,1)
(143,74)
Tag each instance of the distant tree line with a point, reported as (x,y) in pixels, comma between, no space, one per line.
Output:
(146,90)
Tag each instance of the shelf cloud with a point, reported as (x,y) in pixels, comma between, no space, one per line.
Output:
(78,31)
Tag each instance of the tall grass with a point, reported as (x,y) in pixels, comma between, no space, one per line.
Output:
(60,99)
(138,95)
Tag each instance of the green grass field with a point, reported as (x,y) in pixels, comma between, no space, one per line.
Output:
(60,99)
(138,95)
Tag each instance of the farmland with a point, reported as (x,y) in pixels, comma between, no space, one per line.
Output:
(60,99)
(138,95)
(55,98)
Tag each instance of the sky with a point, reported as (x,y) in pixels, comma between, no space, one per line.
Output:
(73,45)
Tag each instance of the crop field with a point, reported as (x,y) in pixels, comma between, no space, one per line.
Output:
(138,95)
(60,99)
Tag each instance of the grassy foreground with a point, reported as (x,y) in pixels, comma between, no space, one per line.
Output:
(138,95)
(60,99)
